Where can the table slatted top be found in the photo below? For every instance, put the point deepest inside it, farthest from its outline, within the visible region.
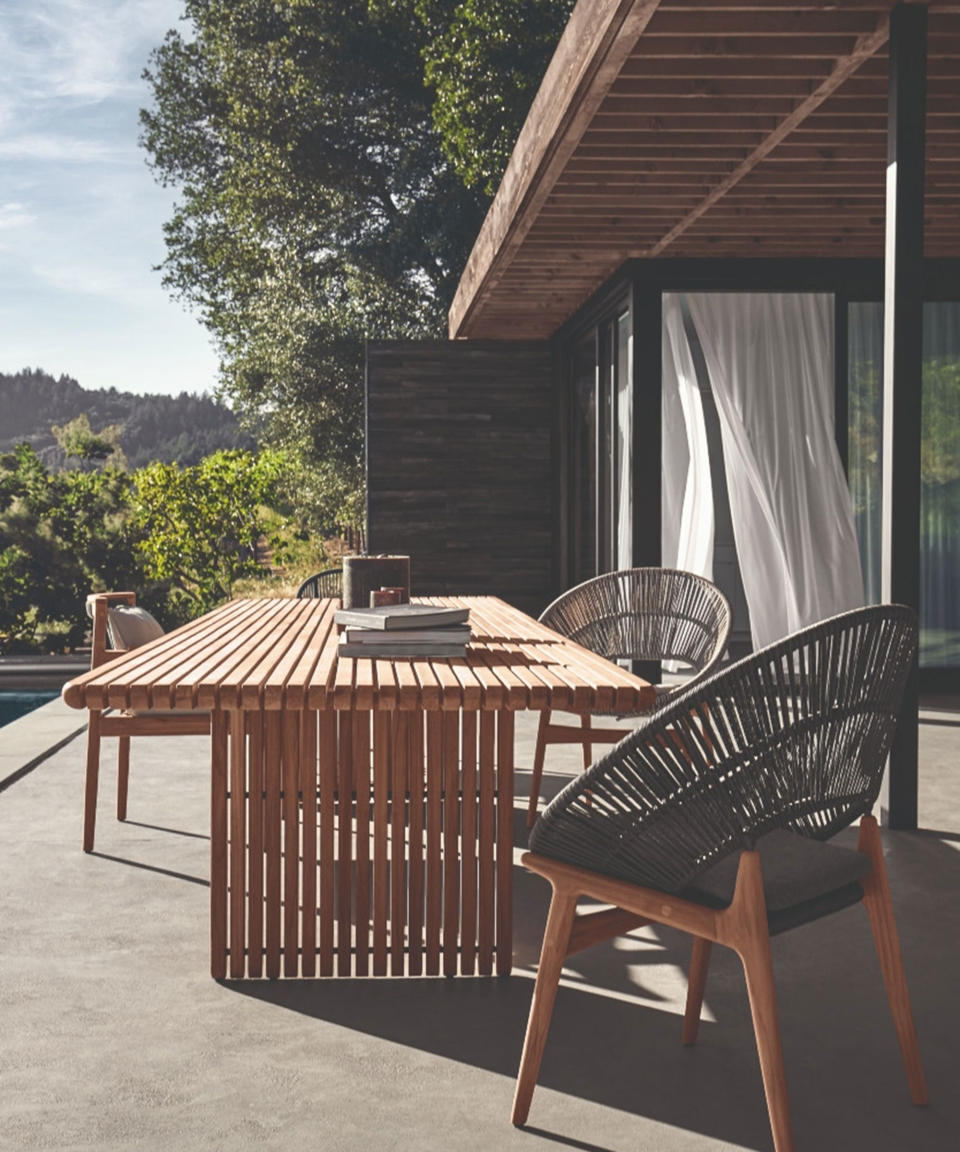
(282, 654)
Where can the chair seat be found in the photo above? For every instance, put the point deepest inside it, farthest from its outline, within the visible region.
(803, 879)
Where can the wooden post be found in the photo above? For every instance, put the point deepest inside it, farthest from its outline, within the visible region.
(903, 370)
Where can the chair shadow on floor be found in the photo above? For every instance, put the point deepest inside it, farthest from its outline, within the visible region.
(615, 1036)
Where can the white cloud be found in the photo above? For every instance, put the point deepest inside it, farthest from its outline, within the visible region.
(79, 51)
(14, 215)
(80, 215)
(50, 146)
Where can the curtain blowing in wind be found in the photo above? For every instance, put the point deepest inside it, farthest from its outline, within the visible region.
(770, 360)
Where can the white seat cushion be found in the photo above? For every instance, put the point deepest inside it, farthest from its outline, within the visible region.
(130, 627)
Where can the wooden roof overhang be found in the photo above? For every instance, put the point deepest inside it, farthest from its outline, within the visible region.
(692, 128)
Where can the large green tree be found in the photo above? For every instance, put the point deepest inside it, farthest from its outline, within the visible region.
(202, 524)
(327, 191)
(485, 60)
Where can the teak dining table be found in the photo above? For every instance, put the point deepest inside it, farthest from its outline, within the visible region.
(362, 815)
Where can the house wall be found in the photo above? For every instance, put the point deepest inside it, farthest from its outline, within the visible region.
(460, 450)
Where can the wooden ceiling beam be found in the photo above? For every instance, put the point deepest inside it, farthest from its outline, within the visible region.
(598, 38)
(703, 88)
(865, 47)
(784, 23)
(771, 47)
(712, 104)
(744, 6)
(699, 68)
(603, 161)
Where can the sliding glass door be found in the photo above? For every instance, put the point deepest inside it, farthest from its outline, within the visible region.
(601, 449)
(939, 466)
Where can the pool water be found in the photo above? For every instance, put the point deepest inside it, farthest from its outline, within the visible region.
(13, 705)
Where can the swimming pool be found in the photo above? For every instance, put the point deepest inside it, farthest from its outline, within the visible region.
(13, 705)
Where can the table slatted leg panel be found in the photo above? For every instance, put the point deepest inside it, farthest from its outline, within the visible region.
(359, 843)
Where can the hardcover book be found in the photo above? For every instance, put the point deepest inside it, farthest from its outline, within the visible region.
(391, 617)
(413, 650)
(458, 634)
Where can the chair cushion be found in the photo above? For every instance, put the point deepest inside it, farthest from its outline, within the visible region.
(796, 870)
(130, 627)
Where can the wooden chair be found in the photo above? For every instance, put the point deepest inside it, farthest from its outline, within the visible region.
(122, 724)
(648, 614)
(722, 830)
(321, 585)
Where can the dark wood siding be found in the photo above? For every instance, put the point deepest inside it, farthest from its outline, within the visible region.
(459, 465)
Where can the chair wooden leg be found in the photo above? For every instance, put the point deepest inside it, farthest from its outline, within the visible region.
(752, 944)
(556, 939)
(587, 745)
(699, 963)
(537, 774)
(123, 776)
(91, 781)
(876, 899)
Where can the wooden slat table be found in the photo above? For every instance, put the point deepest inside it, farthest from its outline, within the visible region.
(361, 810)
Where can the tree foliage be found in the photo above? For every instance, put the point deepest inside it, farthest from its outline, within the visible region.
(79, 442)
(202, 524)
(179, 537)
(486, 61)
(316, 205)
(322, 157)
(61, 534)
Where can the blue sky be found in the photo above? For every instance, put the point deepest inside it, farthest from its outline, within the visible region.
(80, 213)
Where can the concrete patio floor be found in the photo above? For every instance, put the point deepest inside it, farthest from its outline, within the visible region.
(114, 1037)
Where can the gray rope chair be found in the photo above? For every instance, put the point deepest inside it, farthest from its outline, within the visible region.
(714, 816)
(321, 585)
(648, 614)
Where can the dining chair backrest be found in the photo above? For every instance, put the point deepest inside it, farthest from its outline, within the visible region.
(794, 736)
(646, 614)
(321, 585)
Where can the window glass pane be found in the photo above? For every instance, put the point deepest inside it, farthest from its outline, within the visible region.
(940, 490)
(939, 468)
(865, 376)
(584, 461)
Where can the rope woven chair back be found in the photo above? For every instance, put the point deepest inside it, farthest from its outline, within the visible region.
(795, 736)
(646, 614)
(321, 585)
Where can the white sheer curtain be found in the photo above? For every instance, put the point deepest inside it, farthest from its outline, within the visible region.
(770, 362)
(687, 535)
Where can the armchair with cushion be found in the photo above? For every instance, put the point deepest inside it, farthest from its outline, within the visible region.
(118, 626)
(716, 816)
(646, 614)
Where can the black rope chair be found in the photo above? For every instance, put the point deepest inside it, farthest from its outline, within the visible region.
(321, 585)
(714, 816)
(648, 614)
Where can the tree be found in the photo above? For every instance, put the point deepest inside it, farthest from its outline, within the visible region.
(61, 535)
(318, 204)
(486, 62)
(200, 525)
(80, 442)
(179, 537)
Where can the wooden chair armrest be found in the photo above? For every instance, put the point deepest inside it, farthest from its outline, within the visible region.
(101, 601)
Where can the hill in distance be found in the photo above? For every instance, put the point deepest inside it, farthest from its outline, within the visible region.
(182, 428)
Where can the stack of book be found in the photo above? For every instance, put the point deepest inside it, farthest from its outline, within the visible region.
(398, 631)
